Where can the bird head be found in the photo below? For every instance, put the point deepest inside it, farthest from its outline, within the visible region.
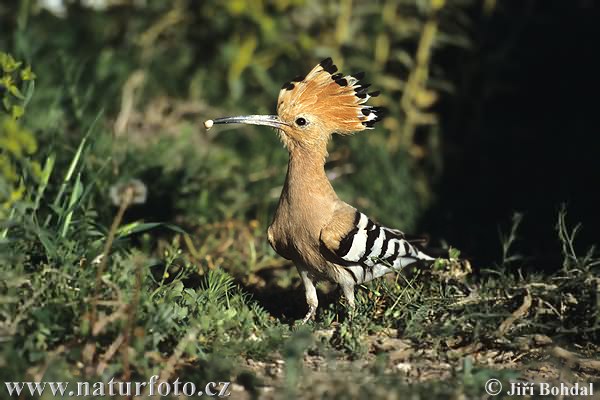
(310, 108)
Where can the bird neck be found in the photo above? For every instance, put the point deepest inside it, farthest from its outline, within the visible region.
(306, 174)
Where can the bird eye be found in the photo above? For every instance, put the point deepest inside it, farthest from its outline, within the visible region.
(301, 121)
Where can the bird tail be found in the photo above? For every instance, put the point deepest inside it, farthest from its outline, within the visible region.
(434, 252)
(423, 256)
(420, 243)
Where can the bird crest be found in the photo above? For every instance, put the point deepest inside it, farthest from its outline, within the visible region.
(332, 97)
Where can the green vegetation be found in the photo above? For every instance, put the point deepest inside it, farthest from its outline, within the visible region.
(133, 243)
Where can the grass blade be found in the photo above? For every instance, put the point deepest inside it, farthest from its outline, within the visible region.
(46, 172)
(75, 195)
(72, 166)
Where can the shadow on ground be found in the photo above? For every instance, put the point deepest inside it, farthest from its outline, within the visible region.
(286, 303)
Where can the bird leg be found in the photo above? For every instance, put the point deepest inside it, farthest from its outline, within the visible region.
(311, 312)
(348, 290)
(311, 294)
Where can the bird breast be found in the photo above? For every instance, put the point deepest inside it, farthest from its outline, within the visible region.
(295, 231)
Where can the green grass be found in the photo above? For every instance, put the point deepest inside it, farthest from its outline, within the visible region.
(100, 282)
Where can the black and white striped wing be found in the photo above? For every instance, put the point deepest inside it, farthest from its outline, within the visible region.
(374, 250)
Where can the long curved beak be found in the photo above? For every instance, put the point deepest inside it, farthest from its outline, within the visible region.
(266, 120)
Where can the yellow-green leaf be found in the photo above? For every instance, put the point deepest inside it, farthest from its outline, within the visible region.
(14, 90)
(8, 63)
(243, 57)
(36, 170)
(17, 111)
(27, 74)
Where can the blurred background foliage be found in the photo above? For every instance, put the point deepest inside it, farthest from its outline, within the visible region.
(16, 142)
(157, 67)
(127, 231)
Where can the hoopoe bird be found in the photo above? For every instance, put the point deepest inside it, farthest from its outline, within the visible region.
(326, 238)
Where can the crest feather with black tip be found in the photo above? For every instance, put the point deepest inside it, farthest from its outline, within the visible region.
(338, 100)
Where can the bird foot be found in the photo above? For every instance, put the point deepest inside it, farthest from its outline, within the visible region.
(351, 313)
(311, 313)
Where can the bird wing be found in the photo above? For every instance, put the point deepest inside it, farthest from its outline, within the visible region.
(352, 239)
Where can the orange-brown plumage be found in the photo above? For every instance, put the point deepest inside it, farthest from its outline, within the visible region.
(334, 101)
(325, 237)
